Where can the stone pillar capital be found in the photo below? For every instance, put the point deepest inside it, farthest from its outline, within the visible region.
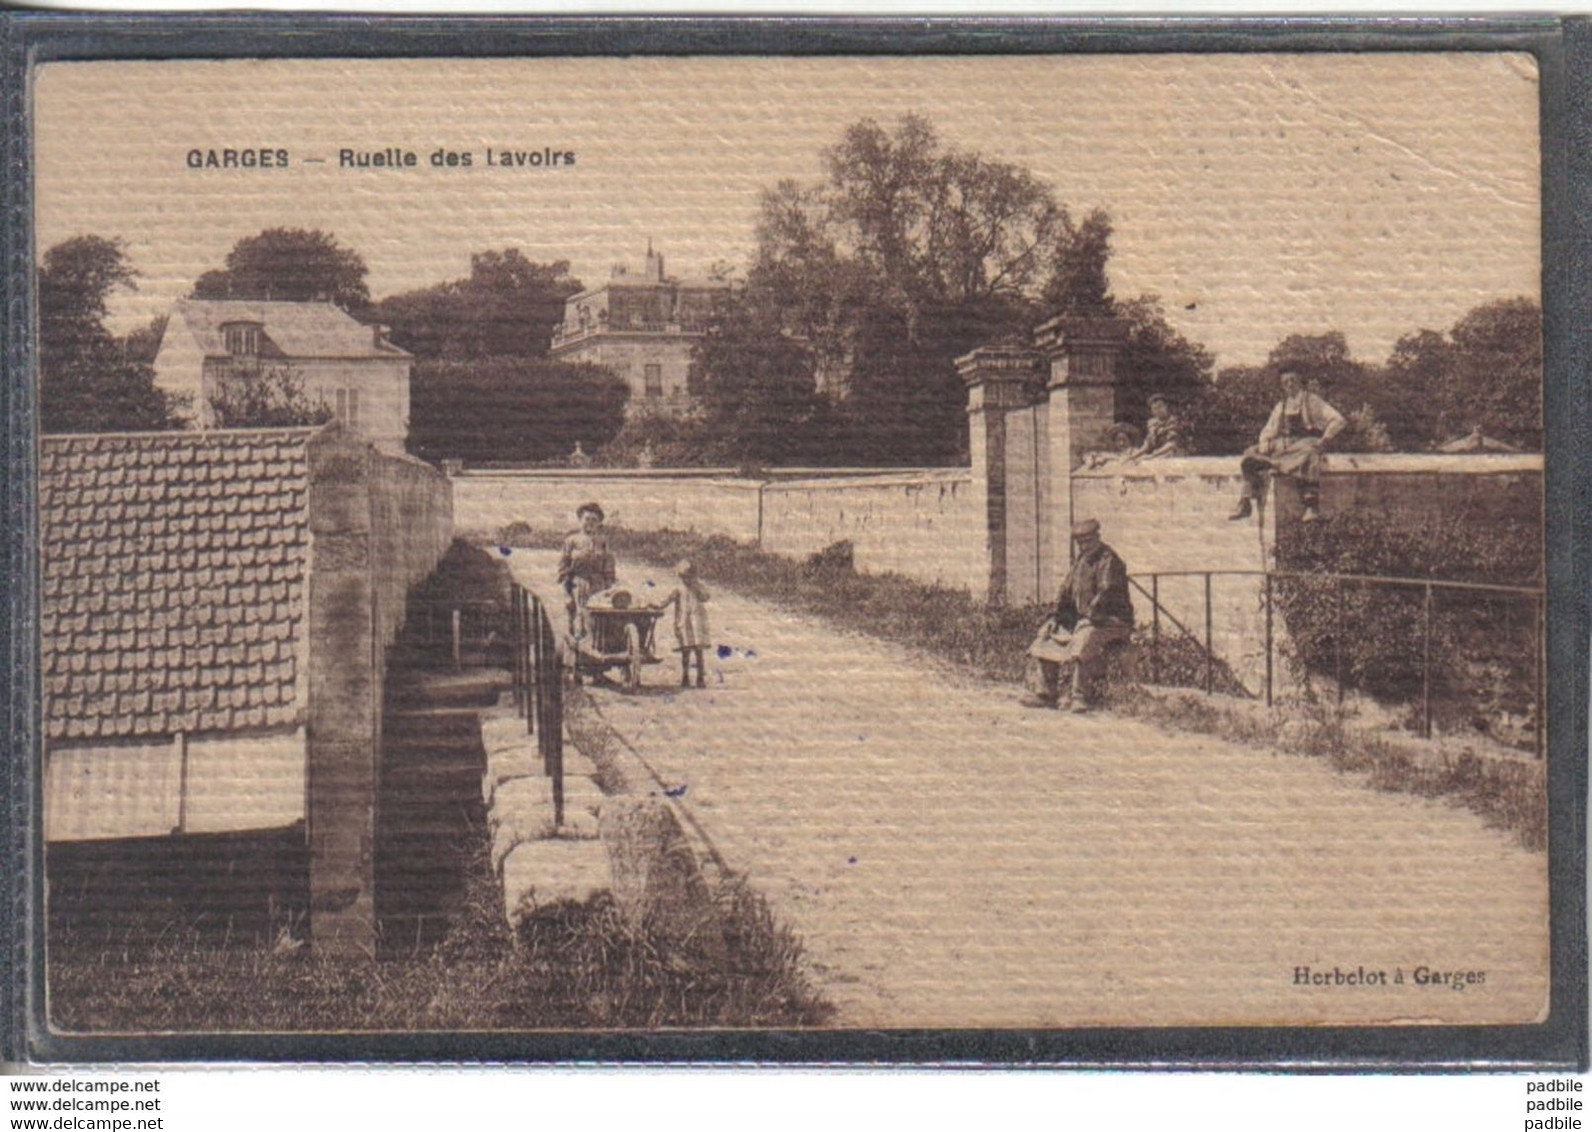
(1082, 350)
(1001, 377)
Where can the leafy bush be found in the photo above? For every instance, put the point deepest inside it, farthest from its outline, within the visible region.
(1176, 660)
(1476, 660)
(662, 435)
(272, 398)
(509, 409)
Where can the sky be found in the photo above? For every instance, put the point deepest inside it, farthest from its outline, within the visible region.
(1257, 195)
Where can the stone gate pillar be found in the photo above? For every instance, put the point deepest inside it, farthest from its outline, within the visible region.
(345, 699)
(1000, 380)
(1082, 384)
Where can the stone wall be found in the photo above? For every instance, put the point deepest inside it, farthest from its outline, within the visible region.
(379, 525)
(411, 527)
(709, 503)
(1482, 488)
(923, 523)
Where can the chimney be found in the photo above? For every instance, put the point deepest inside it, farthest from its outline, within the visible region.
(378, 334)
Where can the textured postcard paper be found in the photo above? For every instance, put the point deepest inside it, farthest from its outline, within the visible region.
(861, 543)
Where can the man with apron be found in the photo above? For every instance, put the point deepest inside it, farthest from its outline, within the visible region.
(1301, 424)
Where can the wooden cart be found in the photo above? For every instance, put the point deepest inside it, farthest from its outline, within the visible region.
(620, 638)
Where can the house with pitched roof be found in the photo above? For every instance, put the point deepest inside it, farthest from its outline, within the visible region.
(214, 613)
(346, 365)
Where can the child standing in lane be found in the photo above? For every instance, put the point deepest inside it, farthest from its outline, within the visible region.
(691, 635)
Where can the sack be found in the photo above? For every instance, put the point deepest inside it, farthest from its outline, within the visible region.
(1052, 644)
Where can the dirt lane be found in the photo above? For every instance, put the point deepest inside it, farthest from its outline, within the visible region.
(951, 859)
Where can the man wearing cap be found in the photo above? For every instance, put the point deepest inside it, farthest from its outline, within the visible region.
(1093, 611)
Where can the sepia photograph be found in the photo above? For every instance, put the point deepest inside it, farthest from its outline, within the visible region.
(799, 544)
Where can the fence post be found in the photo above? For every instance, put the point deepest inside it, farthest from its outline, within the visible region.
(538, 664)
(1268, 639)
(1210, 653)
(1155, 628)
(518, 622)
(1337, 640)
(533, 663)
(553, 736)
(1426, 664)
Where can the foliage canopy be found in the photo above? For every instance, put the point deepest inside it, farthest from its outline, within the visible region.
(89, 381)
(507, 307)
(510, 409)
(290, 265)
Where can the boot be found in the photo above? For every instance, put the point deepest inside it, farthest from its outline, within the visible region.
(1242, 511)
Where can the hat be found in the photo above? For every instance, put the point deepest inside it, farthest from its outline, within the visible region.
(1154, 397)
(589, 508)
(1086, 527)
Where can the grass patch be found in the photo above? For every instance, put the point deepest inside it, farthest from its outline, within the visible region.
(1507, 792)
(574, 967)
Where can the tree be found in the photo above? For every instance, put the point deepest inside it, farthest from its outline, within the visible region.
(1495, 383)
(1230, 413)
(142, 343)
(754, 383)
(1412, 379)
(511, 409)
(88, 382)
(1484, 373)
(1077, 283)
(908, 254)
(272, 398)
(1156, 358)
(1323, 361)
(290, 264)
(508, 306)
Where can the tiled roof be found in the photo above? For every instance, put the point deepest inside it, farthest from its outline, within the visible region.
(174, 580)
(292, 330)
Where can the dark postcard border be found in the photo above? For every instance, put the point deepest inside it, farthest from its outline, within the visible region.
(1563, 48)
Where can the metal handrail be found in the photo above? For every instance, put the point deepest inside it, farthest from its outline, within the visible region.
(1340, 583)
(539, 686)
(1441, 583)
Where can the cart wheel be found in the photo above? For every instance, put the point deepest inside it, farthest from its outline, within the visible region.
(633, 655)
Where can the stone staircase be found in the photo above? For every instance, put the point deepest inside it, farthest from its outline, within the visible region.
(430, 818)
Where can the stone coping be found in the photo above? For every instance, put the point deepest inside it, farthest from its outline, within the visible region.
(1356, 463)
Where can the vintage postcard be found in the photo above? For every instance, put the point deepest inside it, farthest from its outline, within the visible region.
(819, 545)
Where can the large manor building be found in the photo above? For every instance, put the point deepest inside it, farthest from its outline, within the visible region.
(643, 328)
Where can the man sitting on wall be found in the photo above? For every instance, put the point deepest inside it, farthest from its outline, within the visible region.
(1093, 612)
(1299, 427)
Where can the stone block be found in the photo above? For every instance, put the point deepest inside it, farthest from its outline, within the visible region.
(522, 811)
(538, 875)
